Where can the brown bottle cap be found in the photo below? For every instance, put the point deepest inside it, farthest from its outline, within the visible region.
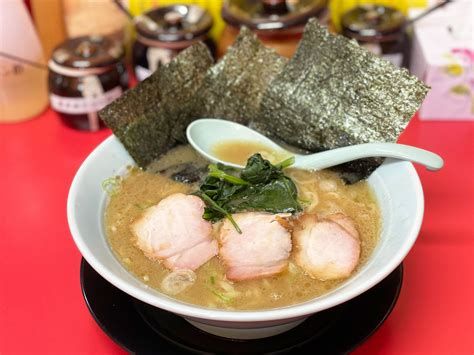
(367, 21)
(271, 14)
(88, 52)
(174, 23)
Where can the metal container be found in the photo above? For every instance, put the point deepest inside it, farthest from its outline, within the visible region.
(380, 29)
(279, 24)
(165, 31)
(85, 74)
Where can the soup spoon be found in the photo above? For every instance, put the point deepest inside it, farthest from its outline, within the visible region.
(204, 134)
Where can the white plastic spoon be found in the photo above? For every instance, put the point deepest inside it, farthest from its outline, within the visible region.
(204, 134)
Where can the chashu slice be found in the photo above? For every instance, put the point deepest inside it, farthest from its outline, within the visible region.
(175, 232)
(327, 249)
(262, 249)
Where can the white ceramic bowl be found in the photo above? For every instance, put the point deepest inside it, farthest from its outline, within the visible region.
(396, 186)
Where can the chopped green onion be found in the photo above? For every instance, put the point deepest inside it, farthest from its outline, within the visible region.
(213, 280)
(305, 202)
(111, 185)
(222, 296)
(144, 206)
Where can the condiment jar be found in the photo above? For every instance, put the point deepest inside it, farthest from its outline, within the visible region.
(86, 74)
(23, 89)
(279, 24)
(165, 31)
(380, 29)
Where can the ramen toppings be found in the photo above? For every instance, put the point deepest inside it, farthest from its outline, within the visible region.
(262, 249)
(158, 229)
(174, 231)
(327, 249)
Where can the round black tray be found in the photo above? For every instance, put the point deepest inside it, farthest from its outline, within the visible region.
(140, 328)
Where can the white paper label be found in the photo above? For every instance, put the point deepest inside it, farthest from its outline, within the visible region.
(83, 105)
(373, 47)
(395, 58)
(158, 56)
(142, 73)
(155, 57)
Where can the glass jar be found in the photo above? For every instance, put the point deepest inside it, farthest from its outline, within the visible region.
(86, 74)
(279, 24)
(381, 30)
(165, 31)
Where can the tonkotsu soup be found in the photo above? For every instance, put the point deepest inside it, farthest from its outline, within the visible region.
(321, 193)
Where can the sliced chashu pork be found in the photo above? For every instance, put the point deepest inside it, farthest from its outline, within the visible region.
(175, 232)
(262, 249)
(327, 249)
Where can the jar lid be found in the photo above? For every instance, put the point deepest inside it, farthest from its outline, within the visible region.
(174, 23)
(372, 21)
(87, 52)
(271, 14)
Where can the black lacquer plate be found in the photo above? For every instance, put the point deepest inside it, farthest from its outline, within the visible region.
(143, 329)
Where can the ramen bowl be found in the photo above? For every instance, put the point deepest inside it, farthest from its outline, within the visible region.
(395, 184)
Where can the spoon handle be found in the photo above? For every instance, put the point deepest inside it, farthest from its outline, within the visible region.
(338, 156)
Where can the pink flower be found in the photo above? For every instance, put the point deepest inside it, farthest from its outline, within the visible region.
(469, 53)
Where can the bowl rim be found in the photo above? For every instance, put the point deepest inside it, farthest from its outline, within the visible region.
(189, 310)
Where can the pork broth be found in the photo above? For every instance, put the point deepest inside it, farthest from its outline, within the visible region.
(321, 192)
(238, 152)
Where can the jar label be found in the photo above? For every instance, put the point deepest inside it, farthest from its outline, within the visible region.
(158, 56)
(83, 105)
(395, 58)
(375, 48)
(142, 73)
(155, 57)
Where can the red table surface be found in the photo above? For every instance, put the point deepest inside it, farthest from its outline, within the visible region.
(41, 305)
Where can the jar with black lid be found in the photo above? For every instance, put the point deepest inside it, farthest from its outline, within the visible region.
(279, 24)
(86, 74)
(380, 29)
(165, 31)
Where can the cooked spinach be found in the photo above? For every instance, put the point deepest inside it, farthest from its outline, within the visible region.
(259, 170)
(260, 186)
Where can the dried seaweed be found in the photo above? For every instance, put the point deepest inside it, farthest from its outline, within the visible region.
(143, 118)
(333, 93)
(233, 88)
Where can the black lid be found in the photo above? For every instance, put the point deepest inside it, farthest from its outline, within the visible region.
(271, 14)
(174, 23)
(88, 52)
(372, 21)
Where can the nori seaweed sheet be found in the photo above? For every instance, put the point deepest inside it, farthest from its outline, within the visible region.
(143, 117)
(233, 88)
(334, 93)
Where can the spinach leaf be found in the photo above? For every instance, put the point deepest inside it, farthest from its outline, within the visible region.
(259, 170)
(214, 207)
(276, 196)
(260, 187)
(214, 171)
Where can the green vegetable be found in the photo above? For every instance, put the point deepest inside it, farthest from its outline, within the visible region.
(259, 170)
(279, 195)
(305, 202)
(223, 297)
(145, 205)
(214, 171)
(111, 185)
(286, 163)
(260, 187)
(219, 209)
